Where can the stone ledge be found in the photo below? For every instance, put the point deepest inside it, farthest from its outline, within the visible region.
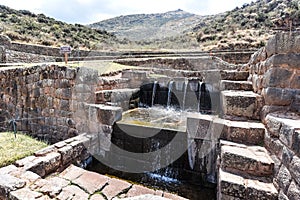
(236, 85)
(241, 103)
(252, 160)
(212, 127)
(238, 187)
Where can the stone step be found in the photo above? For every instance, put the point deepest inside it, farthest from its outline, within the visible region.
(117, 97)
(245, 104)
(234, 75)
(236, 85)
(232, 186)
(213, 128)
(246, 160)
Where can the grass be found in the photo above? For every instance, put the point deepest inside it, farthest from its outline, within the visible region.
(13, 149)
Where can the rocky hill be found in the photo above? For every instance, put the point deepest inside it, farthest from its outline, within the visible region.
(149, 26)
(249, 26)
(27, 27)
(246, 27)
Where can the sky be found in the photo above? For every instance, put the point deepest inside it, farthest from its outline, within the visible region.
(90, 11)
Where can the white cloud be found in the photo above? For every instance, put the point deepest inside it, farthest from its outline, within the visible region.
(88, 11)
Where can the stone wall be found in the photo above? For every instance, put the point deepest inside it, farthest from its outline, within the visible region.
(53, 102)
(275, 73)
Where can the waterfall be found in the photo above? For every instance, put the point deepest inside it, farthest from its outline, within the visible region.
(154, 92)
(169, 93)
(192, 149)
(199, 97)
(184, 94)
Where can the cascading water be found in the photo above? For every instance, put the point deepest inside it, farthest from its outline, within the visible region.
(155, 84)
(170, 88)
(184, 94)
(199, 96)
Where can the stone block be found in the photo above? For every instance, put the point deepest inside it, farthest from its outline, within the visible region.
(115, 187)
(295, 82)
(291, 60)
(9, 183)
(252, 160)
(66, 154)
(24, 193)
(107, 115)
(86, 76)
(52, 162)
(72, 191)
(232, 185)
(274, 145)
(277, 77)
(261, 190)
(241, 103)
(282, 196)
(293, 191)
(283, 178)
(283, 43)
(91, 181)
(296, 142)
(278, 96)
(236, 85)
(295, 169)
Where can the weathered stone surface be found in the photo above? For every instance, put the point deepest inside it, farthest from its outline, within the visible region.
(278, 96)
(52, 162)
(231, 184)
(66, 154)
(291, 60)
(252, 160)
(71, 173)
(278, 77)
(23, 194)
(241, 103)
(45, 151)
(8, 169)
(236, 85)
(138, 190)
(72, 191)
(293, 192)
(295, 169)
(283, 178)
(54, 186)
(108, 114)
(91, 181)
(9, 183)
(261, 190)
(115, 187)
(234, 75)
(283, 43)
(97, 197)
(282, 196)
(152, 197)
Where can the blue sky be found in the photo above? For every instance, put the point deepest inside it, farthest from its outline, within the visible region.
(89, 11)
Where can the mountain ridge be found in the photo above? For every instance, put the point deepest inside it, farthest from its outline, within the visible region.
(139, 27)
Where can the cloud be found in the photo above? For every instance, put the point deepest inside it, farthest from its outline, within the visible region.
(89, 11)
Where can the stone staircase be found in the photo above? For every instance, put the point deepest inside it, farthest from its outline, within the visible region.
(245, 167)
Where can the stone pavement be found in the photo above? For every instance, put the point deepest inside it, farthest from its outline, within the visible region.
(73, 183)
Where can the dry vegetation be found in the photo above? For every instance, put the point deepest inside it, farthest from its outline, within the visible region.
(12, 149)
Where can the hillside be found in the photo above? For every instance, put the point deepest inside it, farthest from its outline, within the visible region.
(249, 26)
(27, 27)
(149, 26)
(246, 27)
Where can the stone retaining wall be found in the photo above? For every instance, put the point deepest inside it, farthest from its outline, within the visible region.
(275, 73)
(53, 102)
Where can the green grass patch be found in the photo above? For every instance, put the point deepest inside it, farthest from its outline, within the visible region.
(13, 149)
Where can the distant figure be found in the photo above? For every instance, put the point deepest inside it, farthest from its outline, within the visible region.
(205, 100)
